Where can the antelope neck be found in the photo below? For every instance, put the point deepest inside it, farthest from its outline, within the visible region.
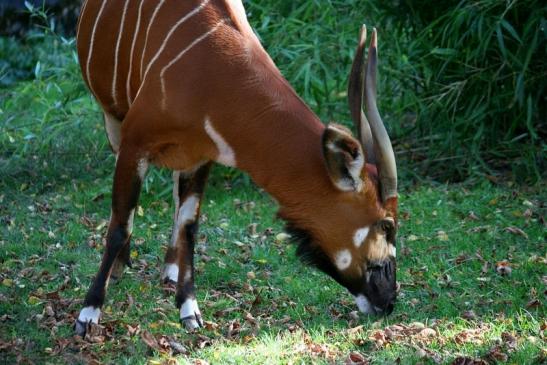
(279, 146)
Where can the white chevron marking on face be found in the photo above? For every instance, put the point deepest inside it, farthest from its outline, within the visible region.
(360, 236)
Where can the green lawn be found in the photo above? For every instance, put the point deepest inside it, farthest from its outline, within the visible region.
(259, 303)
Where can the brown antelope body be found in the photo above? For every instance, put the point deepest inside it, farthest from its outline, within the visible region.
(186, 83)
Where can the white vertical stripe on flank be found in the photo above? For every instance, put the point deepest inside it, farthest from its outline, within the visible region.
(170, 33)
(82, 11)
(128, 81)
(179, 56)
(92, 41)
(116, 53)
(156, 10)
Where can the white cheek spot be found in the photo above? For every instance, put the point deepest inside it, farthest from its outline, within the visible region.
(171, 272)
(360, 236)
(392, 250)
(89, 314)
(226, 155)
(343, 259)
(363, 304)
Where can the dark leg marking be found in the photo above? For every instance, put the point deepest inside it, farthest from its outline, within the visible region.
(125, 195)
(181, 253)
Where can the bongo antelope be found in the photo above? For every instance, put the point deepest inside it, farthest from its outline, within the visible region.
(187, 83)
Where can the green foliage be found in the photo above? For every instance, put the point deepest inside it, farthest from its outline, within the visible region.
(313, 43)
(56, 172)
(475, 74)
(461, 89)
(42, 121)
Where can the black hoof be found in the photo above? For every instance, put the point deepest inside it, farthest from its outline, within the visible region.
(80, 328)
(192, 323)
(168, 281)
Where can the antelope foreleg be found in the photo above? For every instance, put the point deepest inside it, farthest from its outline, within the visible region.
(130, 170)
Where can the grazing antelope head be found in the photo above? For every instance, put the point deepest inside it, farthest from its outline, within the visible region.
(186, 83)
(353, 238)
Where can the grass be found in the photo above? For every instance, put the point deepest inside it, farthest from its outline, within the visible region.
(261, 305)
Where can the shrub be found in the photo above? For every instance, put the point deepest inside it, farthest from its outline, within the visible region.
(474, 72)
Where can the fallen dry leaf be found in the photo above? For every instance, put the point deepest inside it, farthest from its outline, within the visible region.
(176, 347)
(516, 231)
(356, 358)
(442, 236)
(468, 361)
(496, 354)
(469, 315)
(534, 303)
(510, 341)
(474, 335)
(472, 216)
(150, 340)
(427, 332)
(233, 329)
(355, 329)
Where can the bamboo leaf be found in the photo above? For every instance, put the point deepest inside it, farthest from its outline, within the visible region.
(511, 30)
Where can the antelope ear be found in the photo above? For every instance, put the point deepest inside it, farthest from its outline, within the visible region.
(344, 158)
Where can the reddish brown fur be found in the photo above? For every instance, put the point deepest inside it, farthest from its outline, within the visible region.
(176, 139)
(229, 79)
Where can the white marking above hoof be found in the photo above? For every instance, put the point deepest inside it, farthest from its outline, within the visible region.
(170, 272)
(89, 314)
(190, 315)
